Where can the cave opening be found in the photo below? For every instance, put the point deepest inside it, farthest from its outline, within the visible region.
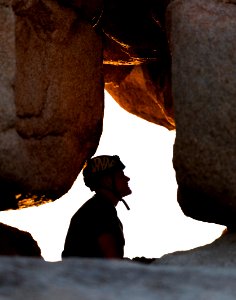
(155, 224)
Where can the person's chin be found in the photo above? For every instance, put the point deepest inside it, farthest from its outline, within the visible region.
(127, 192)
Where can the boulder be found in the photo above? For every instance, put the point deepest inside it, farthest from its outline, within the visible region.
(145, 91)
(15, 242)
(30, 278)
(57, 58)
(174, 67)
(202, 41)
(136, 59)
(52, 94)
(220, 253)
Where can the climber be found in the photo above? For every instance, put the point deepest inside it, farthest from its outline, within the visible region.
(95, 229)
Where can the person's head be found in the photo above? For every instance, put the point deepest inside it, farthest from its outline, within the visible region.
(106, 172)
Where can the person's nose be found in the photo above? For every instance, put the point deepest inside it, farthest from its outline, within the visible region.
(127, 178)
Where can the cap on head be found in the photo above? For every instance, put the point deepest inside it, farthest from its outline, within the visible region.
(100, 165)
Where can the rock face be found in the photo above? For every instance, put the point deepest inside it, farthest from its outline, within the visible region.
(52, 97)
(114, 280)
(203, 41)
(58, 56)
(17, 243)
(136, 59)
(52, 85)
(145, 96)
(220, 253)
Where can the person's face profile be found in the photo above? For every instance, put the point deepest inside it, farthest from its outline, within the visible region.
(121, 181)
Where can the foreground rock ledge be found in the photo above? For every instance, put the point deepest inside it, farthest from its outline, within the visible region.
(28, 278)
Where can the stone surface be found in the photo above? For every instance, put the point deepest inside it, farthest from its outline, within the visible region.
(203, 40)
(52, 85)
(206, 272)
(23, 278)
(90, 9)
(144, 92)
(7, 67)
(136, 59)
(17, 242)
(220, 253)
(52, 89)
(133, 34)
(51, 96)
(41, 134)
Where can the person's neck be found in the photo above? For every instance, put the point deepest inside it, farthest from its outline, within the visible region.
(109, 195)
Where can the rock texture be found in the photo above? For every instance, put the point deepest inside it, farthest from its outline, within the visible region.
(17, 243)
(136, 59)
(204, 272)
(145, 92)
(52, 85)
(133, 34)
(51, 110)
(51, 97)
(220, 253)
(202, 41)
(56, 58)
(97, 279)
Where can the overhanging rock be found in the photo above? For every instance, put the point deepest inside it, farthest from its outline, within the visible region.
(52, 94)
(203, 41)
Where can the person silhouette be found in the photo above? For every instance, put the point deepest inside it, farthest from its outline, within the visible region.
(95, 229)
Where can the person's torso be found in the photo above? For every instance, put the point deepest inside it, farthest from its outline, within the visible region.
(96, 217)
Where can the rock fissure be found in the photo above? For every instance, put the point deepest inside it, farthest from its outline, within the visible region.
(168, 62)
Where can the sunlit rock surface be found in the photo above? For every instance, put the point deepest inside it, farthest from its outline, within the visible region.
(52, 94)
(114, 280)
(145, 92)
(136, 59)
(203, 41)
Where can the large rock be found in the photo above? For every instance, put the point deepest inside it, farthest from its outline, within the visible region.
(16, 242)
(51, 96)
(52, 85)
(137, 60)
(203, 41)
(114, 280)
(144, 91)
(52, 88)
(220, 253)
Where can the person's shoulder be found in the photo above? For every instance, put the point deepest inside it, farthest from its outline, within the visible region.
(90, 205)
(95, 206)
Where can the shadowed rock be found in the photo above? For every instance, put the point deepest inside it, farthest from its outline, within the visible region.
(203, 41)
(137, 60)
(114, 280)
(220, 253)
(175, 70)
(17, 242)
(52, 84)
(52, 94)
